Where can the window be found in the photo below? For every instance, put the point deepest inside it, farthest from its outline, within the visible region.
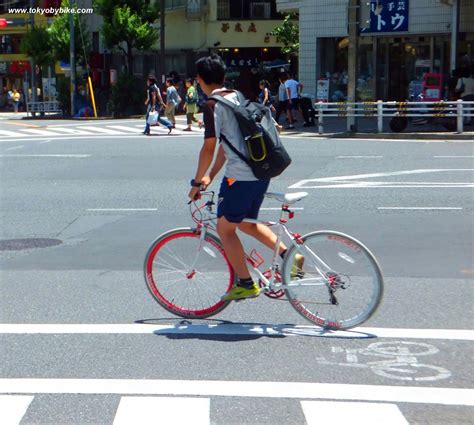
(223, 9)
(260, 10)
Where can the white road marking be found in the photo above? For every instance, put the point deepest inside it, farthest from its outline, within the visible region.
(13, 408)
(358, 181)
(299, 390)
(97, 129)
(124, 128)
(122, 209)
(46, 156)
(279, 209)
(164, 410)
(46, 141)
(454, 156)
(14, 148)
(38, 132)
(72, 131)
(8, 133)
(360, 157)
(233, 329)
(98, 136)
(343, 413)
(421, 208)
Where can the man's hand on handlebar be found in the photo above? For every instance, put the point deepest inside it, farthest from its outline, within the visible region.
(195, 192)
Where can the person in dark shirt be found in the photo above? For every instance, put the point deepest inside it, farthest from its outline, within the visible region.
(154, 102)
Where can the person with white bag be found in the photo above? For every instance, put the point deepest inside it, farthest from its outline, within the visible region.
(153, 99)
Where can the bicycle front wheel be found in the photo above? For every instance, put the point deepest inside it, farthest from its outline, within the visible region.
(186, 275)
(338, 284)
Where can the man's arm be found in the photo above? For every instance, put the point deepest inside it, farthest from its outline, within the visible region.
(205, 160)
(218, 163)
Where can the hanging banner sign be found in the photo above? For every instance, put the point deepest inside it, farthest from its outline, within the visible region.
(322, 90)
(388, 16)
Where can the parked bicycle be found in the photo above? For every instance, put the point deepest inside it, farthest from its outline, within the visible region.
(339, 286)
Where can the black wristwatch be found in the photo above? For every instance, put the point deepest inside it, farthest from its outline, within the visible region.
(194, 183)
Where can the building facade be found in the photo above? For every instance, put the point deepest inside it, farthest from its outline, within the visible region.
(399, 41)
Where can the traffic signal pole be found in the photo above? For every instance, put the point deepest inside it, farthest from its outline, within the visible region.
(162, 41)
(72, 51)
(353, 31)
(32, 60)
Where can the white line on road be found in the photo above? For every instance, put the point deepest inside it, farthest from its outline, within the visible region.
(164, 410)
(124, 128)
(46, 141)
(14, 148)
(122, 209)
(299, 390)
(100, 130)
(13, 408)
(279, 209)
(420, 208)
(343, 413)
(8, 133)
(46, 156)
(360, 157)
(233, 329)
(454, 156)
(39, 132)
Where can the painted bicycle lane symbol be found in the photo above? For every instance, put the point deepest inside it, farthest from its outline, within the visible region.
(399, 360)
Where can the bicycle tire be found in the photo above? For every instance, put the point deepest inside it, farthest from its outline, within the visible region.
(334, 282)
(196, 304)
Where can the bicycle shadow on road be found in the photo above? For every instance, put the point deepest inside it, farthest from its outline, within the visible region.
(228, 331)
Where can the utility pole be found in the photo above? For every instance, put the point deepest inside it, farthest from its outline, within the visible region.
(33, 62)
(454, 34)
(353, 31)
(162, 40)
(72, 52)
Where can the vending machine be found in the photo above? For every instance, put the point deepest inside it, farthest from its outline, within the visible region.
(432, 87)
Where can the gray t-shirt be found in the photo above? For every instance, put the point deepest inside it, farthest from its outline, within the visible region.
(223, 121)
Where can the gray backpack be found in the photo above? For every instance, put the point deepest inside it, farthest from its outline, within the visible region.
(267, 156)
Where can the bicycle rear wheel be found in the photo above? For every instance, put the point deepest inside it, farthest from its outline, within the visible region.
(341, 284)
(187, 278)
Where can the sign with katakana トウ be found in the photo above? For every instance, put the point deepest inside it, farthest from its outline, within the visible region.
(388, 16)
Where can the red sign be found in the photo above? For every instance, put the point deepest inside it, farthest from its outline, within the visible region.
(3, 23)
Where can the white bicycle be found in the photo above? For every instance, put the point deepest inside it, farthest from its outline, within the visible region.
(339, 286)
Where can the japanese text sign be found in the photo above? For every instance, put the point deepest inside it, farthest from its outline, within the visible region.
(388, 16)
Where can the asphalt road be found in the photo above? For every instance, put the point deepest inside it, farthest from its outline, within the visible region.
(104, 193)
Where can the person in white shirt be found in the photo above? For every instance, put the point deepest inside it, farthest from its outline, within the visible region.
(465, 88)
(294, 89)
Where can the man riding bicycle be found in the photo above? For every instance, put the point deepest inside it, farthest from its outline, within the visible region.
(241, 193)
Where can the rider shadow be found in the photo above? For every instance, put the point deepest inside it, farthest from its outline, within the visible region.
(228, 331)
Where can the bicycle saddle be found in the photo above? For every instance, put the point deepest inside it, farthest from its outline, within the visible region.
(287, 198)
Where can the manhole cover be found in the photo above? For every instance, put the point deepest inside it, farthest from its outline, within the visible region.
(19, 244)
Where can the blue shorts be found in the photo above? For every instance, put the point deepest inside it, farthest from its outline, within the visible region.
(240, 199)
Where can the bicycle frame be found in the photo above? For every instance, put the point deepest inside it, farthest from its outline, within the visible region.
(205, 224)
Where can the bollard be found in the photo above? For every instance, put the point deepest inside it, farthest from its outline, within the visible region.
(379, 116)
(459, 113)
(320, 118)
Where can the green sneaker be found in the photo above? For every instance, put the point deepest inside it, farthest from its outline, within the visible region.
(297, 267)
(241, 293)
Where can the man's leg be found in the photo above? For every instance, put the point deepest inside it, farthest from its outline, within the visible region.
(263, 234)
(233, 247)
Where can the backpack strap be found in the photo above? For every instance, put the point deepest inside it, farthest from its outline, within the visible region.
(234, 149)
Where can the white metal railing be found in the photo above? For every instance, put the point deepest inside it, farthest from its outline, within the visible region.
(48, 106)
(451, 114)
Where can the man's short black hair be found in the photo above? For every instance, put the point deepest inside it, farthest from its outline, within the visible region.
(211, 69)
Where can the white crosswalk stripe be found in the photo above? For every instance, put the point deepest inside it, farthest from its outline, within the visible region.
(92, 130)
(343, 413)
(13, 408)
(146, 410)
(166, 410)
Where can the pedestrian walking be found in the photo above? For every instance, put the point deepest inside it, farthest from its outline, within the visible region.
(172, 101)
(154, 103)
(265, 97)
(283, 98)
(191, 103)
(15, 100)
(294, 89)
(465, 88)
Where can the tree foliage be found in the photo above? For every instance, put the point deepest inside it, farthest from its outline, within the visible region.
(61, 37)
(288, 33)
(128, 22)
(37, 45)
